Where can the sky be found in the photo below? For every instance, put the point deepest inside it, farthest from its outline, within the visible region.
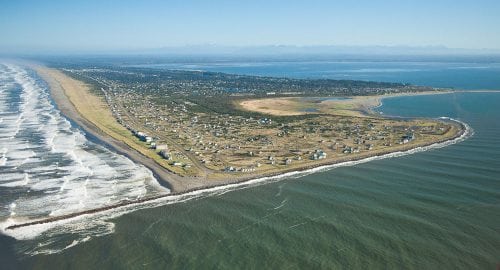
(94, 25)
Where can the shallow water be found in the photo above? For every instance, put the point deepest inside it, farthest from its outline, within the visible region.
(430, 210)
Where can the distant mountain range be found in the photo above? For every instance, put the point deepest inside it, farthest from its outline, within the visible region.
(318, 50)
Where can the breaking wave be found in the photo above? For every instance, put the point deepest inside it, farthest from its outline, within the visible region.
(49, 168)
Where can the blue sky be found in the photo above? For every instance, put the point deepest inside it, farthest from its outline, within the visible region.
(126, 24)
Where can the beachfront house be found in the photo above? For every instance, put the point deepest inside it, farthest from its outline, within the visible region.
(143, 136)
(165, 154)
(318, 154)
(407, 138)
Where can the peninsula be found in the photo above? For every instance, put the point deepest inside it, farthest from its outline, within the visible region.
(200, 129)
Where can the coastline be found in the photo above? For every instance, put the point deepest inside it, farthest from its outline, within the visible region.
(466, 132)
(187, 185)
(68, 109)
(63, 89)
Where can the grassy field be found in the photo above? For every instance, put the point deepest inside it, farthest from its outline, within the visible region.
(293, 106)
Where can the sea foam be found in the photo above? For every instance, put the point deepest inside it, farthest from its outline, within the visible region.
(48, 167)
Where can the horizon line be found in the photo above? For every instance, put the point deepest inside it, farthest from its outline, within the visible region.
(274, 49)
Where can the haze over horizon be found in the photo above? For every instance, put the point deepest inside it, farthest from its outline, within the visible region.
(92, 26)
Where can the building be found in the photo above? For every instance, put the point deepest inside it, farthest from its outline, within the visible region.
(318, 154)
(410, 136)
(164, 154)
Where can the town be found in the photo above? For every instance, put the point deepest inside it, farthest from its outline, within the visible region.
(192, 124)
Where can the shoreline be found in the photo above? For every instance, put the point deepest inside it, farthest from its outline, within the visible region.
(177, 184)
(174, 182)
(464, 133)
(67, 108)
(63, 89)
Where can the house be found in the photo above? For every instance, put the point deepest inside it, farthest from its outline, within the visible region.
(265, 121)
(407, 138)
(164, 154)
(318, 154)
(347, 150)
(141, 135)
(250, 169)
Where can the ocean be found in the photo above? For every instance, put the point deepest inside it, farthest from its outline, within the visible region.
(437, 209)
(49, 168)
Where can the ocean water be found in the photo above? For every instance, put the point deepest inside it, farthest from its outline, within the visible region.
(437, 209)
(49, 168)
(473, 74)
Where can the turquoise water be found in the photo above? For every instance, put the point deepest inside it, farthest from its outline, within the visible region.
(432, 210)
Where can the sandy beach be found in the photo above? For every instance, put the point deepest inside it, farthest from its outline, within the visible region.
(64, 90)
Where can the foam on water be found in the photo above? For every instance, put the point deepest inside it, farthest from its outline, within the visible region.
(49, 168)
